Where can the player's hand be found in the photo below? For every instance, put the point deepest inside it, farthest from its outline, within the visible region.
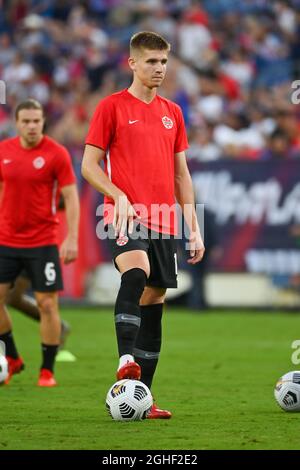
(69, 250)
(196, 248)
(124, 215)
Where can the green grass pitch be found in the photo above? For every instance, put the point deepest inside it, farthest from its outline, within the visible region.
(216, 374)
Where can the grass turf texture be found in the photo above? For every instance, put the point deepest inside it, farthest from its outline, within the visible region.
(216, 374)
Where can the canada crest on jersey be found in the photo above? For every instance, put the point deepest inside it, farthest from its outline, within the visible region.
(121, 241)
(167, 122)
(38, 162)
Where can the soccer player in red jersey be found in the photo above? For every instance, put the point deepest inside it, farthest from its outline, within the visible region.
(141, 138)
(33, 167)
(18, 298)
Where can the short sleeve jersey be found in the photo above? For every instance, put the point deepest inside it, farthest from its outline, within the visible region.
(31, 179)
(140, 141)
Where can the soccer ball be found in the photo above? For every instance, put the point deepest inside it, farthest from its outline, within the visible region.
(287, 391)
(3, 368)
(128, 400)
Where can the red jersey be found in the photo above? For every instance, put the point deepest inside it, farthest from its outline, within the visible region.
(140, 141)
(31, 179)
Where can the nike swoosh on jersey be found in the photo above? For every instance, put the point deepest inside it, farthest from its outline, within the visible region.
(132, 122)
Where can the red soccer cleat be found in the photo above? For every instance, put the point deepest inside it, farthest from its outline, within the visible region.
(15, 366)
(156, 413)
(46, 379)
(131, 370)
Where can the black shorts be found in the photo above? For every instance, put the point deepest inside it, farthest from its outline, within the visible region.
(41, 264)
(161, 252)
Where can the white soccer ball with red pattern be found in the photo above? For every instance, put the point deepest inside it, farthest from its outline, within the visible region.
(128, 400)
(3, 369)
(287, 391)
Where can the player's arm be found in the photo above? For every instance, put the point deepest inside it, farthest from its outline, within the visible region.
(184, 193)
(124, 213)
(69, 247)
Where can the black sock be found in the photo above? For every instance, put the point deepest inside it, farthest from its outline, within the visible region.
(10, 347)
(48, 353)
(148, 342)
(127, 309)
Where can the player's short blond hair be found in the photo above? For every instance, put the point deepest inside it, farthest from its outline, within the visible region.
(148, 40)
(28, 104)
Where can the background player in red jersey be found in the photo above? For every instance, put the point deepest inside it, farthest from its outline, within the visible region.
(18, 299)
(141, 137)
(32, 168)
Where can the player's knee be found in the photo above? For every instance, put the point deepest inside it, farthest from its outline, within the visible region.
(133, 283)
(47, 305)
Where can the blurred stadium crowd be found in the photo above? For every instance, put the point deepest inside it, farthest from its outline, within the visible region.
(231, 68)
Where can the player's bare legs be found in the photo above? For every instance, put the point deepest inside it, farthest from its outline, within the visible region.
(50, 321)
(134, 268)
(15, 362)
(50, 327)
(18, 300)
(25, 304)
(133, 259)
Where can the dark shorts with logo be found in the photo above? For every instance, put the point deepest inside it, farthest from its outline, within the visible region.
(41, 264)
(161, 252)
